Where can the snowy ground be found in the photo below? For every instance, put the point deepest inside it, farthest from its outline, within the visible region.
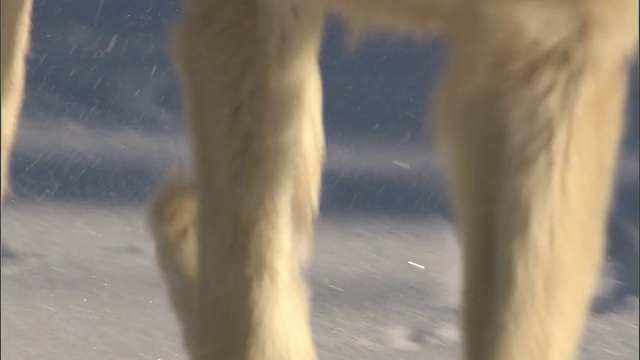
(102, 125)
(79, 279)
(81, 283)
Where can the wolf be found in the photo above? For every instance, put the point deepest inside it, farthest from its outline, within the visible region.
(528, 121)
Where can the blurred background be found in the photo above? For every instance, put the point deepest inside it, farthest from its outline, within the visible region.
(102, 124)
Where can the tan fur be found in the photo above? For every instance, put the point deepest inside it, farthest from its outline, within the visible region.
(172, 220)
(528, 120)
(16, 18)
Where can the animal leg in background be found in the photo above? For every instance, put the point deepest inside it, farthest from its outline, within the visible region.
(15, 33)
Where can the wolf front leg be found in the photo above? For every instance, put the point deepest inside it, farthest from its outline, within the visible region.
(252, 91)
(530, 118)
(16, 28)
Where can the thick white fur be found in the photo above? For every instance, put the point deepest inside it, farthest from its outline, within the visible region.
(16, 18)
(528, 120)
